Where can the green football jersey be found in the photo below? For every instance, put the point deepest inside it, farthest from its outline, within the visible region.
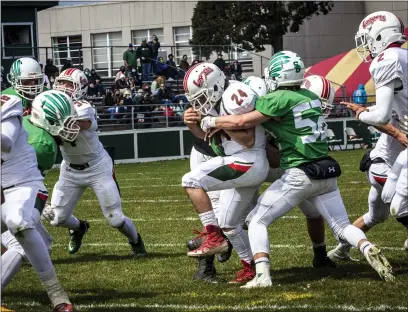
(44, 145)
(11, 91)
(299, 126)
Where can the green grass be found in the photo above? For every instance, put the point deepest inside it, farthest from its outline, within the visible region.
(103, 276)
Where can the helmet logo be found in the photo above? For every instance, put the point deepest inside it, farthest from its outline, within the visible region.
(306, 84)
(204, 74)
(373, 19)
(83, 81)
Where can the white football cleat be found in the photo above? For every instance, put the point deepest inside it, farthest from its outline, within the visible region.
(379, 263)
(406, 245)
(259, 281)
(341, 253)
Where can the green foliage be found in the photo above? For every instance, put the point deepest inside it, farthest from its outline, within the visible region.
(250, 24)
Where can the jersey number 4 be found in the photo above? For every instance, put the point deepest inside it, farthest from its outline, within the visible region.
(316, 128)
(239, 101)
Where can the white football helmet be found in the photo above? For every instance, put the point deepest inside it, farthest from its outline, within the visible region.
(323, 89)
(285, 69)
(238, 98)
(54, 112)
(26, 78)
(204, 85)
(257, 84)
(376, 32)
(73, 82)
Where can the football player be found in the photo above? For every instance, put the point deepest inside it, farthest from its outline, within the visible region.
(73, 82)
(85, 164)
(27, 81)
(238, 170)
(295, 117)
(24, 198)
(379, 39)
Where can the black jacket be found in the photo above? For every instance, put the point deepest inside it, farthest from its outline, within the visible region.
(220, 63)
(146, 52)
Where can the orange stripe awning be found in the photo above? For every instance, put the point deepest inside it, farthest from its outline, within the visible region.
(348, 71)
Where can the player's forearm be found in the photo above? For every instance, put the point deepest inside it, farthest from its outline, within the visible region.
(394, 132)
(232, 122)
(196, 130)
(383, 112)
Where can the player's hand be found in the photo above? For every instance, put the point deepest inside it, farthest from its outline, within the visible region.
(48, 213)
(403, 125)
(402, 138)
(209, 135)
(354, 107)
(207, 123)
(190, 116)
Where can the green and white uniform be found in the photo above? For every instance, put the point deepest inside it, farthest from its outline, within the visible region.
(299, 129)
(300, 132)
(26, 103)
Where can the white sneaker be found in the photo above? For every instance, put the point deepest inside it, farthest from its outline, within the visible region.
(341, 253)
(379, 263)
(259, 281)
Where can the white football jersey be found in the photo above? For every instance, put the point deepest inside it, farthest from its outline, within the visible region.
(387, 66)
(20, 163)
(86, 147)
(239, 99)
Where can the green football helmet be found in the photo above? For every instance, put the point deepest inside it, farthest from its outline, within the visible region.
(26, 78)
(54, 112)
(285, 69)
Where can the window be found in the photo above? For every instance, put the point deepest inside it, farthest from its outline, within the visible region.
(64, 48)
(107, 53)
(17, 40)
(182, 35)
(138, 35)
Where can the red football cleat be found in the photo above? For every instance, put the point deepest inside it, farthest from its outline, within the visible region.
(64, 307)
(213, 244)
(244, 275)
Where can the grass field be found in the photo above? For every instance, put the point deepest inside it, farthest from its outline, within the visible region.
(103, 276)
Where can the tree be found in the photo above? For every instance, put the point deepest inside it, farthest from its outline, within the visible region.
(251, 25)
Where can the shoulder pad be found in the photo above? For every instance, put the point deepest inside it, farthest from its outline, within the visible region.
(84, 109)
(11, 106)
(386, 67)
(238, 98)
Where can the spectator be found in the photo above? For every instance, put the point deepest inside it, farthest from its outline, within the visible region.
(122, 85)
(236, 70)
(360, 95)
(196, 60)
(87, 74)
(116, 96)
(220, 62)
(164, 93)
(109, 99)
(95, 87)
(144, 52)
(130, 58)
(51, 71)
(138, 97)
(135, 76)
(47, 83)
(121, 72)
(68, 64)
(184, 65)
(154, 45)
(128, 98)
(162, 69)
(159, 81)
(172, 67)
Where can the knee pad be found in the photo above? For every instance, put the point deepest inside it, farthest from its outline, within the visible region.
(188, 180)
(9, 241)
(115, 218)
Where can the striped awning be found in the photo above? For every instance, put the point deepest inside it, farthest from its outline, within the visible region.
(346, 69)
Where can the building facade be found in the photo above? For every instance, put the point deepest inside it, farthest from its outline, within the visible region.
(96, 35)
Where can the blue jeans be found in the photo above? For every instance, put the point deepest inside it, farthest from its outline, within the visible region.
(146, 70)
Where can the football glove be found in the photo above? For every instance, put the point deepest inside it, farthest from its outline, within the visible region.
(207, 123)
(48, 213)
(403, 125)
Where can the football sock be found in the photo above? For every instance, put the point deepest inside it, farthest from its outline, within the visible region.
(11, 262)
(240, 241)
(129, 230)
(365, 245)
(353, 235)
(54, 289)
(208, 218)
(262, 266)
(72, 223)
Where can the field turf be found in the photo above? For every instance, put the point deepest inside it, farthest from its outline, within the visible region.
(103, 276)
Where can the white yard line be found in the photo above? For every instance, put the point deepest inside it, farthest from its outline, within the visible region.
(279, 246)
(208, 307)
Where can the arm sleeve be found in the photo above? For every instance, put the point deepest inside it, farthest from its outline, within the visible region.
(383, 113)
(10, 128)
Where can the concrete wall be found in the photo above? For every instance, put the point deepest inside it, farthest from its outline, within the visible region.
(319, 38)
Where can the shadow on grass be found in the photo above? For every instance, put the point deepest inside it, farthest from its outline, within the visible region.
(93, 257)
(344, 270)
